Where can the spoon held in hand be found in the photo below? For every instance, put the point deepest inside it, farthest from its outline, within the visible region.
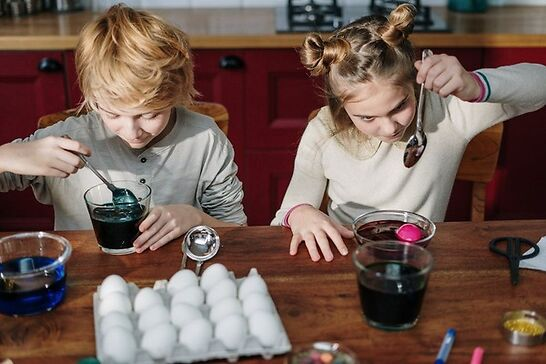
(418, 141)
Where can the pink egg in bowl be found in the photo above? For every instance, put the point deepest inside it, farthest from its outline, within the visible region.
(398, 225)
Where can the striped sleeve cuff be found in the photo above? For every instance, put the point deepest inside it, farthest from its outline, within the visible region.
(287, 215)
(485, 87)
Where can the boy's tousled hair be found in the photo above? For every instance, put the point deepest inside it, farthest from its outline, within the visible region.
(373, 47)
(133, 59)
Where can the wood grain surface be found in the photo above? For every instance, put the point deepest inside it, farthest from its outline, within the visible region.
(469, 290)
(508, 26)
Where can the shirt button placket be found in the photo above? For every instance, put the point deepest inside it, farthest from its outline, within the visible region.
(143, 160)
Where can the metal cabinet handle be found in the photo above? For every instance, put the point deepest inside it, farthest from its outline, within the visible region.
(231, 63)
(50, 65)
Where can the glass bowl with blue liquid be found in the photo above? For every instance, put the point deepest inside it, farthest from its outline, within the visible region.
(32, 272)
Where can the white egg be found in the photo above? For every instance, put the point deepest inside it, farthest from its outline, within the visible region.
(180, 280)
(192, 295)
(159, 341)
(252, 284)
(265, 327)
(231, 331)
(212, 275)
(183, 313)
(196, 335)
(153, 316)
(114, 301)
(115, 319)
(223, 289)
(224, 308)
(120, 345)
(113, 283)
(147, 297)
(257, 302)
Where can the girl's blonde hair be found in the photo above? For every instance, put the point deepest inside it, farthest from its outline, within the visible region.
(372, 47)
(132, 59)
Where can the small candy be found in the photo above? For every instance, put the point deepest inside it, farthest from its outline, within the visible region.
(326, 358)
(409, 233)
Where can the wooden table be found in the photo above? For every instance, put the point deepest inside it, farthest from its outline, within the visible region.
(469, 289)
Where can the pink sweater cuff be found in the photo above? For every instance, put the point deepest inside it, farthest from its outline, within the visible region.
(287, 215)
(482, 87)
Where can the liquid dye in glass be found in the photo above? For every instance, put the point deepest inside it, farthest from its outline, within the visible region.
(393, 302)
(35, 294)
(116, 227)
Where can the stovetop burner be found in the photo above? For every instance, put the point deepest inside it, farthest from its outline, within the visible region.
(313, 15)
(326, 16)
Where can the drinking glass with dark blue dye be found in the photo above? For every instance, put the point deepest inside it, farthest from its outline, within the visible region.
(116, 224)
(392, 279)
(32, 272)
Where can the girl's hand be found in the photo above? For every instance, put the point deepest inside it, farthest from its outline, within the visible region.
(166, 223)
(446, 76)
(50, 156)
(314, 228)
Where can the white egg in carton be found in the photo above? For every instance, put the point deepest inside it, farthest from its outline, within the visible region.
(187, 319)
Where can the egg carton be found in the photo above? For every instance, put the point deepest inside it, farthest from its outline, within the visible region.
(180, 354)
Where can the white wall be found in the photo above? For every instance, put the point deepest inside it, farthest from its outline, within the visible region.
(102, 4)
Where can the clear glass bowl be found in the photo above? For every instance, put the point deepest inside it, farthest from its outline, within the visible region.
(323, 352)
(382, 225)
(32, 272)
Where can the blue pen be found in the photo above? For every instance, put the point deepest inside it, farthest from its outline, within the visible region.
(441, 358)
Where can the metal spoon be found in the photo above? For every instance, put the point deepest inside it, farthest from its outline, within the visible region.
(120, 196)
(201, 243)
(418, 141)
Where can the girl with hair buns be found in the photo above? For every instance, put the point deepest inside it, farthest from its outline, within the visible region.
(354, 147)
(135, 72)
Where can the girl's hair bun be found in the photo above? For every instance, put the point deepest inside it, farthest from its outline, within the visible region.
(318, 55)
(400, 24)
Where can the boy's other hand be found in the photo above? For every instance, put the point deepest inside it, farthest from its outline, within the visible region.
(446, 76)
(165, 223)
(315, 228)
(50, 156)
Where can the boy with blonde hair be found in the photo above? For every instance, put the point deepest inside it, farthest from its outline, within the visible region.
(136, 76)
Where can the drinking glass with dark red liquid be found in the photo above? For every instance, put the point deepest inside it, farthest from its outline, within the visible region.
(403, 226)
(392, 280)
(116, 224)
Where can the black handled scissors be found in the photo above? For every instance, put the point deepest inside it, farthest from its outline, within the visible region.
(513, 253)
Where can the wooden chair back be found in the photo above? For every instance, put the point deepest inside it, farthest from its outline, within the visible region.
(477, 166)
(215, 110)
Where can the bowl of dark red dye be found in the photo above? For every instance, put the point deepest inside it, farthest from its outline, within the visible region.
(32, 272)
(404, 226)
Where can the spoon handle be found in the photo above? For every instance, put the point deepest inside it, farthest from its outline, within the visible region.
(110, 186)
(426, 53)
(198, 268)
(184, 260)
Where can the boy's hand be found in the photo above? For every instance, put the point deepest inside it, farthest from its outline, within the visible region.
(446, 76)
(165, 223)
(50, 156)
(315, 228)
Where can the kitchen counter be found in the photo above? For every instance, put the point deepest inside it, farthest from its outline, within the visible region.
(510, 26)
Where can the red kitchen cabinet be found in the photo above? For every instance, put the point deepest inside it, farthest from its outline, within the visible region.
(74, 95)
(219, 77)
(517, 191)
(31, 84)
(271, 173)
(280, 96)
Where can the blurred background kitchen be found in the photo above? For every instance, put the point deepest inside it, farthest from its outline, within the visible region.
(246, 59)
(25, 7)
